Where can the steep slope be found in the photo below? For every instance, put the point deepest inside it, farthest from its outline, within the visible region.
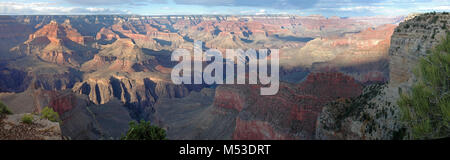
(239, 112)
(56, 43)
(122, 70)
(410, 41)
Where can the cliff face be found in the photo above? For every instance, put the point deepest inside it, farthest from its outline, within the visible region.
(410, 41)
(128, 90)
(293, 112)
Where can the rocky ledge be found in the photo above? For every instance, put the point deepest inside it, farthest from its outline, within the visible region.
(11, 128)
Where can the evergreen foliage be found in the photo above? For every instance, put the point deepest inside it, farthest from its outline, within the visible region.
(426, 110)
(144, 131)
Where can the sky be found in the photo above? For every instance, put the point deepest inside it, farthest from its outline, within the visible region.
(342, 8)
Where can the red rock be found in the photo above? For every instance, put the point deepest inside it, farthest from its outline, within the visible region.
(106, 34)
(122, 65)
(363, 55)
(229, 99)
(57, 57)
(293, 111)
(56, 32)
(256, 130)
(63, 103)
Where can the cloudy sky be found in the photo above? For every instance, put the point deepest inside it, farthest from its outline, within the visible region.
(242, 7)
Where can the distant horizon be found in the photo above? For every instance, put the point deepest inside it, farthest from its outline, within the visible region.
(327, 8)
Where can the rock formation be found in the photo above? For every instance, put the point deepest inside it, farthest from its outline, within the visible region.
(290, 114)
(56, 43)
(12, 128)
(410, 41)
(363, 55)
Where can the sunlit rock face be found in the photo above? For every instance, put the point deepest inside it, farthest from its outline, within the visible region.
(362, 55)
(411, 41)
(56, 43)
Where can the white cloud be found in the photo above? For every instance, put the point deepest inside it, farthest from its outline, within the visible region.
(261, 12)
(18, 8)
(361, 8)
(114, 2)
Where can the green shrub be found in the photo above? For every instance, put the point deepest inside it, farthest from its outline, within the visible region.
(48, 113)
(434, 34)
(434, 19)
(406, 26)
(4, 109)
(144, 131)
(426, 110)
(27, 119)
(419, 18)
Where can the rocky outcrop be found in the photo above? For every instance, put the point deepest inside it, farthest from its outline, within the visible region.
(379, 117)
(81, 119)
(122, 70)
(292, 113)
(56, 43)
(369, 116)
(123, 56)
(411, 41)
(55, 32)
(242, 113)
(12, 128)
(128, 90)
(106, 35)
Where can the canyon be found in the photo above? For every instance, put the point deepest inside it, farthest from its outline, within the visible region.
(100, 72)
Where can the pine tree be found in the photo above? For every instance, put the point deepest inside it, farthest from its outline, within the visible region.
(426, 110)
